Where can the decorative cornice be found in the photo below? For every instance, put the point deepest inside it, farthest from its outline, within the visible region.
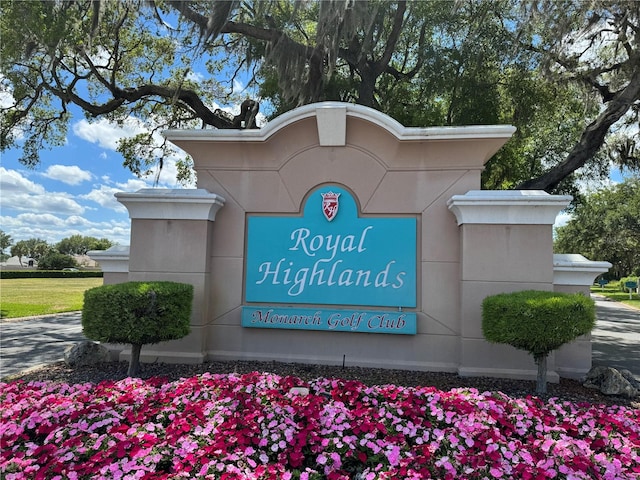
(112, 260)
(510, 207)
(574, 269)
(335, 109)
(171, 204)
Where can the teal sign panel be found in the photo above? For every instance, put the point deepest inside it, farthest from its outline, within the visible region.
(329, 320)
(331, 256)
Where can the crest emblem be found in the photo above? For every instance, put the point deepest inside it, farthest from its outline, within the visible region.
(330, 205)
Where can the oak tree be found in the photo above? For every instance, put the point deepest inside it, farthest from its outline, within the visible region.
(80, 244)
(606, 227)
(566, 73)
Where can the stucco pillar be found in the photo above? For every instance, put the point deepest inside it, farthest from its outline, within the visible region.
(114, 263)
(170, 240)
(506, 245)
(573, 273)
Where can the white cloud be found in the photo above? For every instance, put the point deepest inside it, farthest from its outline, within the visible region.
(76, 221)
(168, 176)
(13, 181)
(53, 202)
(52, 228)
(41, 220)
(132, 185)
(71, 175)
(21, 194)
(30, 211)
(103, 195)
(105, 133)
(238, 87)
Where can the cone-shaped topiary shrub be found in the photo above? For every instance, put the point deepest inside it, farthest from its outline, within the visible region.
(138, 313)
(538, 322)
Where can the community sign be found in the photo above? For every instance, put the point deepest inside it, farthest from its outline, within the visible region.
(331, 256)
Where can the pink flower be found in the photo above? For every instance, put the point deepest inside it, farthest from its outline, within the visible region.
(393, 455)
(495, 473)
(248, 426)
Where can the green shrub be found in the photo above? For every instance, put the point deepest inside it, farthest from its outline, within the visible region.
(538, 322)
(56, 261)
(9, 274)
(138, 313)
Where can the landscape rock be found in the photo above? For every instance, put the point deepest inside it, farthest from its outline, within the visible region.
(85, 354)
(611, 381)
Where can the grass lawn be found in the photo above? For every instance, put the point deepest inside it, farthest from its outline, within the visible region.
(613, 293)
(23, 297)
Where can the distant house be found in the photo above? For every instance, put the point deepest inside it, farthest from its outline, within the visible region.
(14, 262)
(85, 261)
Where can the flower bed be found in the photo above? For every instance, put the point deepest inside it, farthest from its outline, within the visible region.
(255, 426)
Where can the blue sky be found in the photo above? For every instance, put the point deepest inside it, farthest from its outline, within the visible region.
(72, 190)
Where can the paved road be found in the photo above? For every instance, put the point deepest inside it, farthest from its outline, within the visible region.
(616, 338)
(30, 343)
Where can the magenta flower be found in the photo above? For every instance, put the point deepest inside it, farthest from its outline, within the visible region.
(252, 427)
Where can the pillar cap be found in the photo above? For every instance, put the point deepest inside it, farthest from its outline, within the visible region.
(574, 269)
(507, 207)
(171, 204)
(112, 260)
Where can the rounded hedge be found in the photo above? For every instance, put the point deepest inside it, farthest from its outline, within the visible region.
(137, 312)
(537, 321)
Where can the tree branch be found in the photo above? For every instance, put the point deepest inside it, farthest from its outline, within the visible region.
(588, 79)
(392, 41)
(591, 140)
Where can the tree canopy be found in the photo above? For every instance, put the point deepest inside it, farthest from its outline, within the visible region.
(5, 241)
(56, 261)
(606, 227)
(37, 248)
(566, 73)
(34, 248)
(80, 245)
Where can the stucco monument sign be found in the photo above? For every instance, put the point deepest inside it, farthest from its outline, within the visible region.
(331, 256)
(336, 234)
